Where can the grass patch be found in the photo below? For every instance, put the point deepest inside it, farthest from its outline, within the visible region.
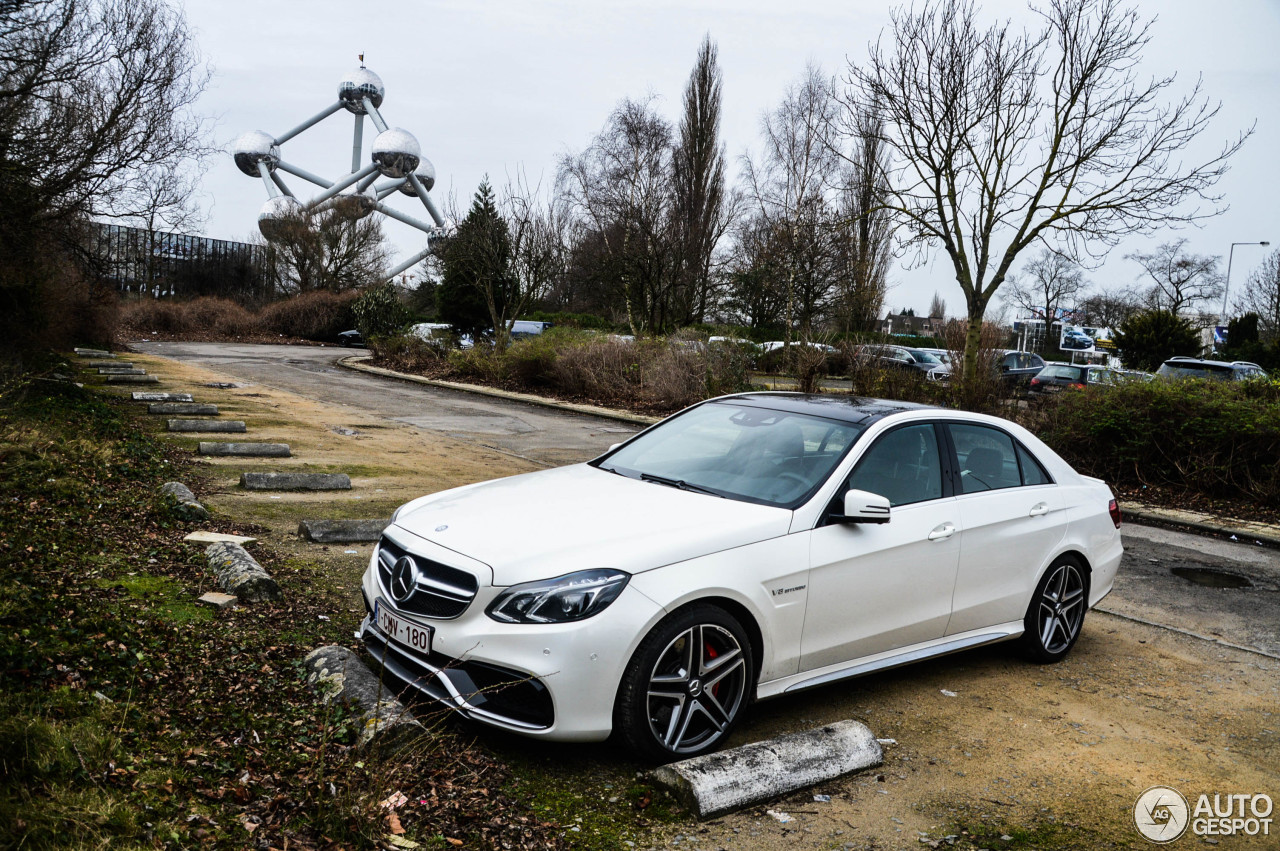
(132, 718)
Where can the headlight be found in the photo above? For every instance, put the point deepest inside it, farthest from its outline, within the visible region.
(566, 598)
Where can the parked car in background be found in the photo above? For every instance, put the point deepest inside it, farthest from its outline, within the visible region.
(432, 332)
(1018, 368)
(1213, 370)
(904, 358)
(351, 339)
(1056, 377)
(524, 328)
(748, 547)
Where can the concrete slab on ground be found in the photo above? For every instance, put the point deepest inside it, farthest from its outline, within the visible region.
(729, 780)
(244, 450)
(217, 538)
(208, 425)
(343, 531)
(295, 481)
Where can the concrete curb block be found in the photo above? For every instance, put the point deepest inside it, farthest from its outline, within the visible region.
(342, 531)
(295, 481)
(728, 780)
(109, 364)
(1261, 532)
(132, 379)
(144, 396)
(183, 501)
(356, 362)
(192, 408)
(237, 426)
(245, 450)
(93, 353)
(336, 672)
(240, 574)
(120, 370)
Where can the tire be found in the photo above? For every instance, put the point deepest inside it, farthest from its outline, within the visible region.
(673, 704)
(1056, 614)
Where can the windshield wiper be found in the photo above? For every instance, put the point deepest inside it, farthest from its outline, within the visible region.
(679, 483)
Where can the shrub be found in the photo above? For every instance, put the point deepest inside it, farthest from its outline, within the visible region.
(321, 315)
(1215, 438)
(406, 352)
(378, 311)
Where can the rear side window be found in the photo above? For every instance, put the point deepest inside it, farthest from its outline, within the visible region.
(1032, 472)
(987, 458)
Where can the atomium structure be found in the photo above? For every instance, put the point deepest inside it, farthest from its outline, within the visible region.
(394, 155)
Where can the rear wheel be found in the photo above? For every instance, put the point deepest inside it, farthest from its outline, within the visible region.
(1056, 614)
(686, 686)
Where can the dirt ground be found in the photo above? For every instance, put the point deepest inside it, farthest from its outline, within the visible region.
(989, 750)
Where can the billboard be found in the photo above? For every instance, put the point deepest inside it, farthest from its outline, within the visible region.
(1080, 338)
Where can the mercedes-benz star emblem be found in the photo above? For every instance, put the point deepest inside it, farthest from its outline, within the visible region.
(404, 579)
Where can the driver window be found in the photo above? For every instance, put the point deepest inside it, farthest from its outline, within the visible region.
(903, 465)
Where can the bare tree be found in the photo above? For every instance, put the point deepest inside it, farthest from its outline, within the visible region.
(1110, 308)
(95, 96)
(938, 306)
(1181, 281)
(324, 250)
(864, 227)
(788, 185)
(1261, 295)
(1048, 283)
(536, 231)
(702, 209)
(618, 191)
(1000, 139)
(755, 294)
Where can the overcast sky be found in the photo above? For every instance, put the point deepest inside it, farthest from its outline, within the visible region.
(494, 86)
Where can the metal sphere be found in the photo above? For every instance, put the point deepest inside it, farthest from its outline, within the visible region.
(357, 85)
(255, 147)
(396, 153)
(352, 204)
(275, 213)
(426, 173)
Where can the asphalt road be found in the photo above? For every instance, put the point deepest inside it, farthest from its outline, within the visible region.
(1148, 587)
(544, 435)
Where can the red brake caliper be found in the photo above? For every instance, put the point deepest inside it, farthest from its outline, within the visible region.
(711, 654)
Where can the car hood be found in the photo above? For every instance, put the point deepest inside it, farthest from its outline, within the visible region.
(553, 522)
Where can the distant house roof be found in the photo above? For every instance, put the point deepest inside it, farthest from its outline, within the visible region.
(902, 323)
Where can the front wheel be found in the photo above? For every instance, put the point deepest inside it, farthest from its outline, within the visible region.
(687, 685)
(1056, 614)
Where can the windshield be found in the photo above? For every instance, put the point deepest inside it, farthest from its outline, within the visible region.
(1071, 373)
(924, 357)
(739, 452)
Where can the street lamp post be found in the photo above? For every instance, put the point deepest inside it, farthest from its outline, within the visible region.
(1227, 285)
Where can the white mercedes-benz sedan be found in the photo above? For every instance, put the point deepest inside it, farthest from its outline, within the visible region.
(747, 547)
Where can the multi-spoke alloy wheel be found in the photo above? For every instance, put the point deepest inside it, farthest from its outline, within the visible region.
(687, 685)
(1057, 610)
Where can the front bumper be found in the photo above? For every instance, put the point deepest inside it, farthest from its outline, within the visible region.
(553, 681)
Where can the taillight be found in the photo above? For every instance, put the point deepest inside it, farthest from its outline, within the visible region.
(1035, 381)
(1076, 386)
(1113, 508)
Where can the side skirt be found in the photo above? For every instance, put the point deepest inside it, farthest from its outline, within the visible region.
(889, 659)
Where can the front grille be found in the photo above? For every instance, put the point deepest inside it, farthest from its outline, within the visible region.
(476, 689)
(441, 591)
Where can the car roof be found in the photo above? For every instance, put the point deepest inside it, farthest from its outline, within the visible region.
(853, 409)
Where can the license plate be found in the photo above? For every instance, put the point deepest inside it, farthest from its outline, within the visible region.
(402, 631)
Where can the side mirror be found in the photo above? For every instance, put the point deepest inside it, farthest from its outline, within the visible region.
(864, 507)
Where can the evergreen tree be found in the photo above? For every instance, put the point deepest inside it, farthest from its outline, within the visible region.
(1147, 339)
(477, 277)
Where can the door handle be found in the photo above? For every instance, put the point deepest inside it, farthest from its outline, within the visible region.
(1040, 508)
(941, 533)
